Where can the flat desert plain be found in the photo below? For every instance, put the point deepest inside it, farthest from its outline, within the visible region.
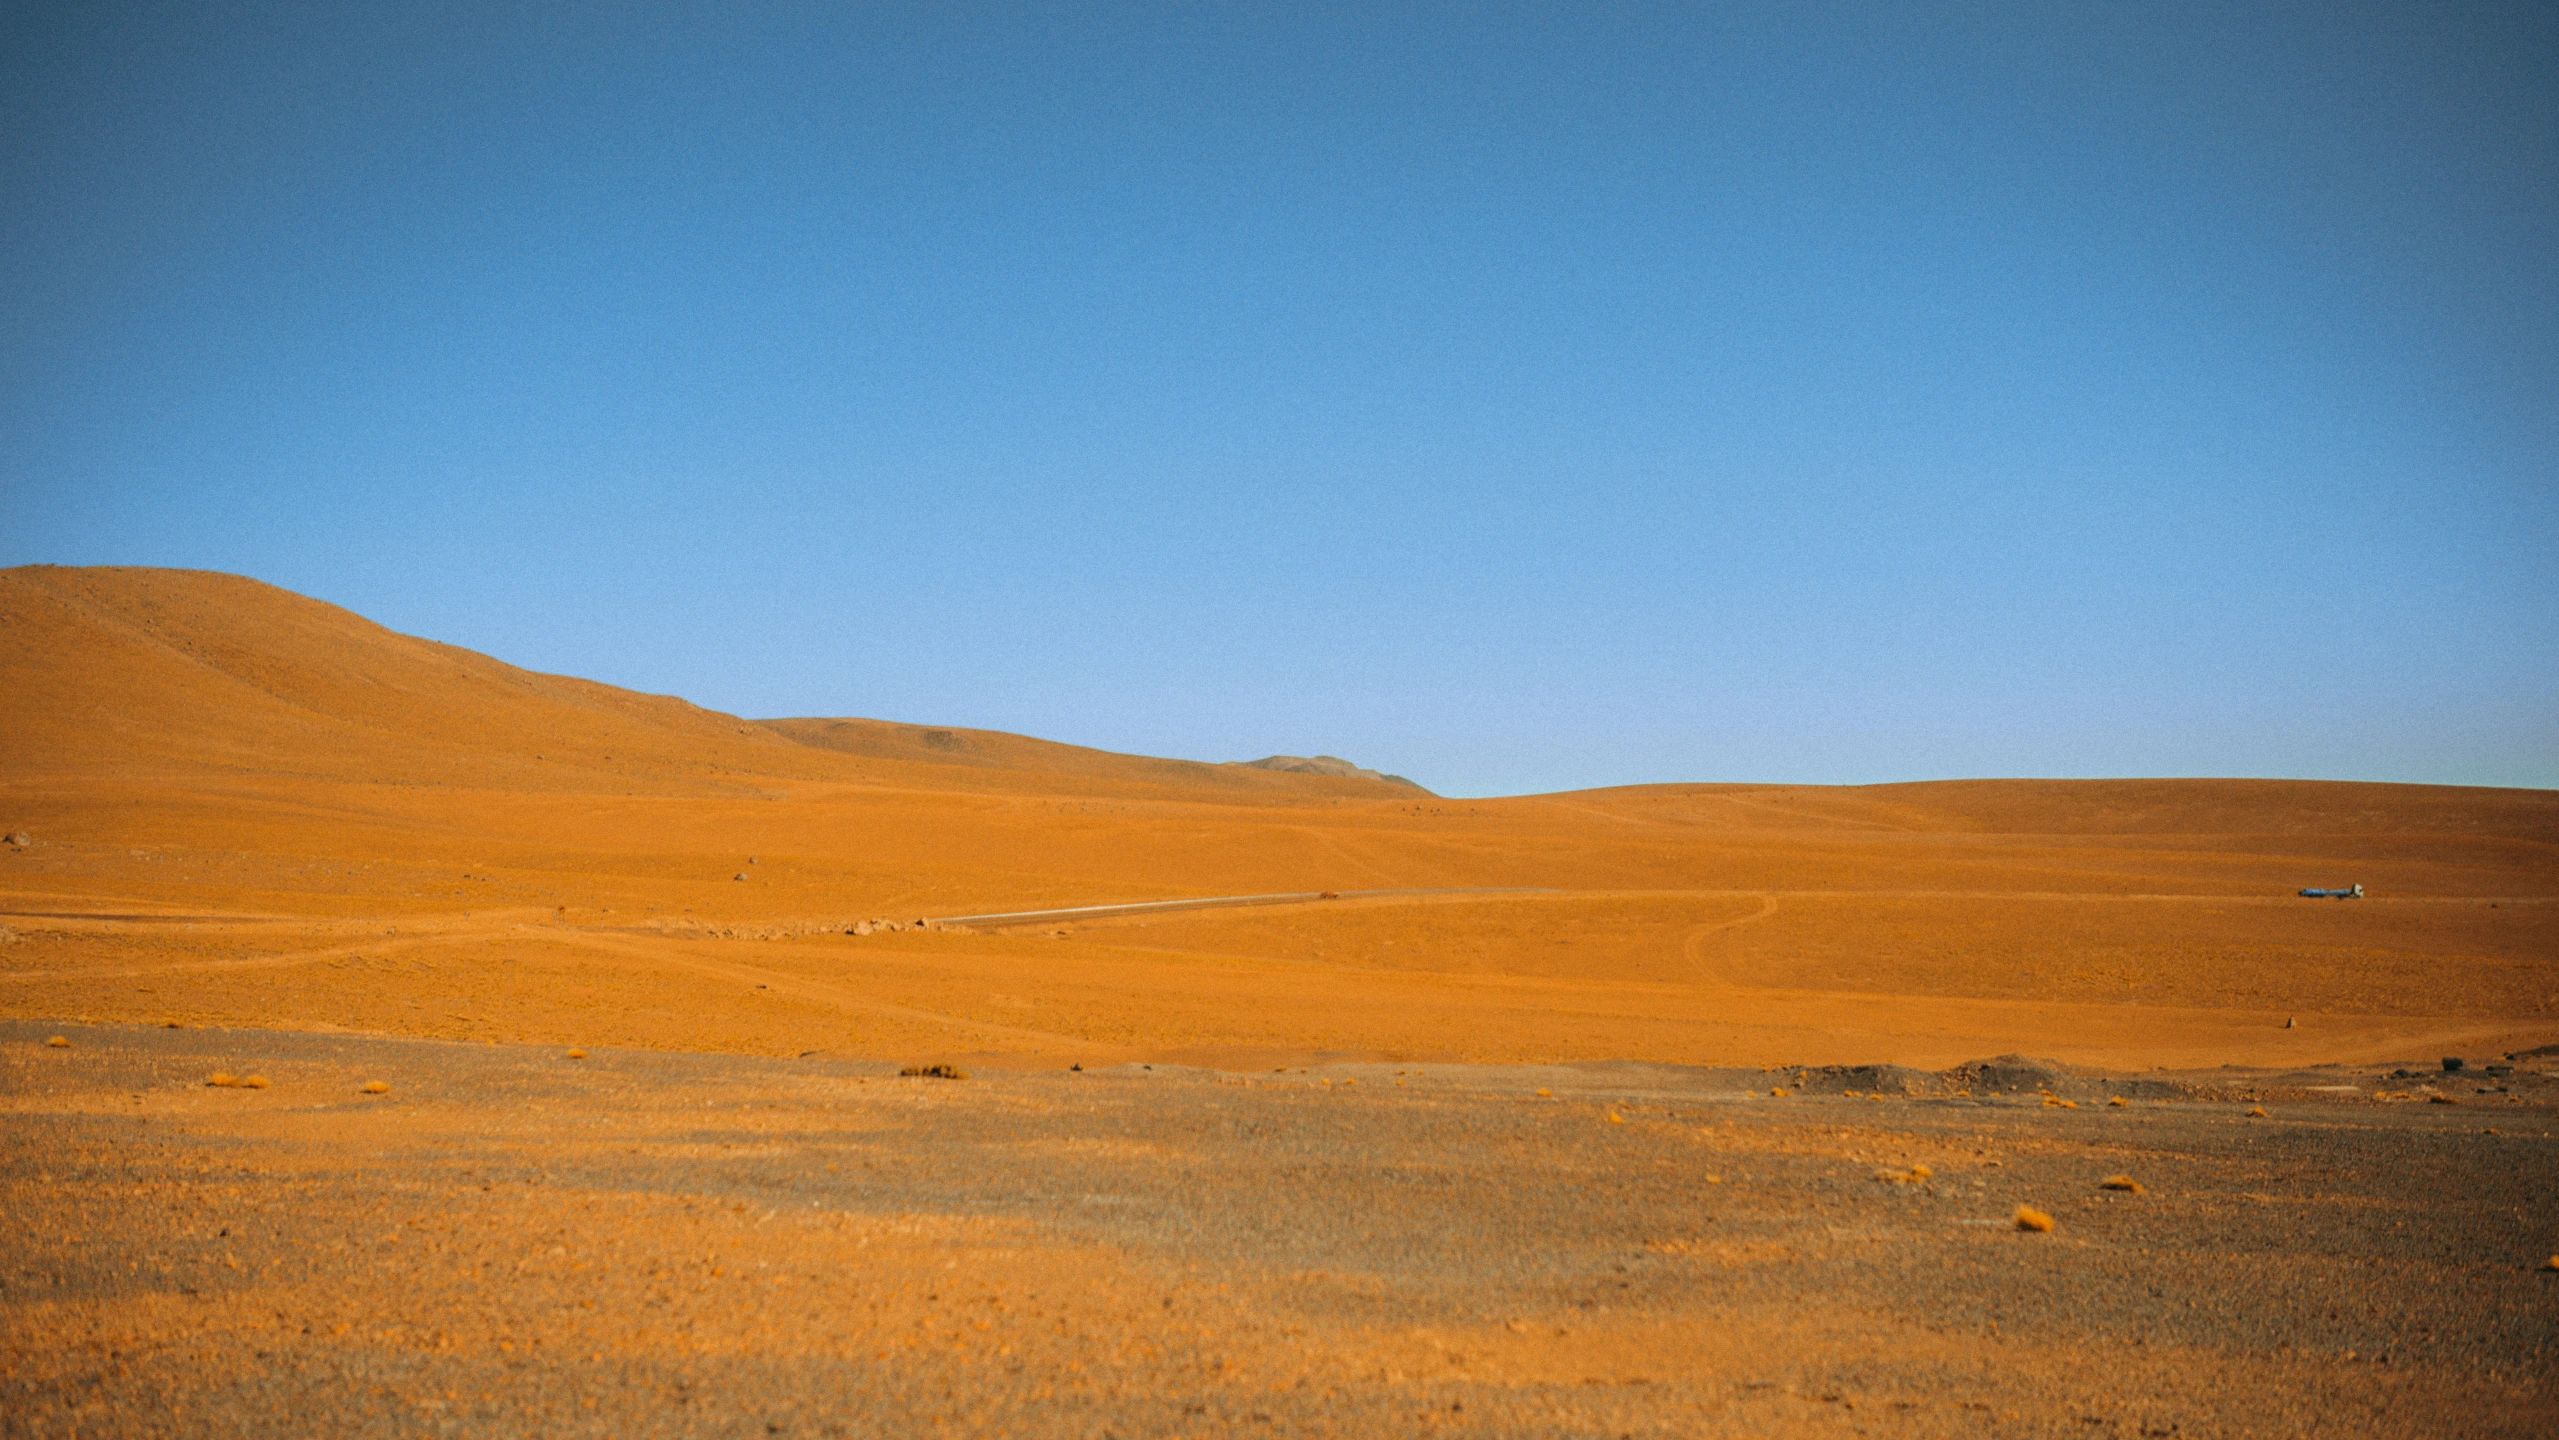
(1657, 1110)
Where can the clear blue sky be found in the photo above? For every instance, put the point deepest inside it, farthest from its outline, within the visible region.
(1518, 398)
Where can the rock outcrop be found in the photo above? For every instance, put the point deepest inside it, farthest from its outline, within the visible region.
(1333, 765)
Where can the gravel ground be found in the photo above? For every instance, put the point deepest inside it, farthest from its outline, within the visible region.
(512, 1241)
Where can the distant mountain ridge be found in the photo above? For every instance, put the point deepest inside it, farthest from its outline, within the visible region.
(954, 745)
(1333, 765)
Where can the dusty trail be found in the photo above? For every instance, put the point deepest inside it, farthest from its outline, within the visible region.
(1130, 908)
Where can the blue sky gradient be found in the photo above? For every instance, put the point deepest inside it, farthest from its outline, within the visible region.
(1518, 398)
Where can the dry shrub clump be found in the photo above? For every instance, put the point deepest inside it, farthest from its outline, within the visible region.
(935, 1072)
(1912, 1176)
(1779, 1094)
(2257, 1112)
(222, 1078)
(2551, 1264)
(58, 1042)
(2441, 1100)
(375, 1087)
(253, 1082)
(2115, 1100)
(1616, 1119)
(577, 1054)
(2125, 1183)
(2030, 1218)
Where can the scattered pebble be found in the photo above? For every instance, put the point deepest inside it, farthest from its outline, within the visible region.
(2030, 1218)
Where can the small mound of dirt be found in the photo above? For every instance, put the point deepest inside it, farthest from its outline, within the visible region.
(2008, 1072)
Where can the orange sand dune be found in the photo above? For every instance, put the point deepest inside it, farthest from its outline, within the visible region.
(251, 808)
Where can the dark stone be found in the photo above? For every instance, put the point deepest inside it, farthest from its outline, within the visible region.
(2451, 1064)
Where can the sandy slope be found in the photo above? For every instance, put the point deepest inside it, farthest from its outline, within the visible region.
(251, 808)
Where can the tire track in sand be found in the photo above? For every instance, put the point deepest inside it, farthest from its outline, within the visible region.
(1705, 969)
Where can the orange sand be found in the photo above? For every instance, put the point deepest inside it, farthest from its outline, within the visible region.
(248, 808)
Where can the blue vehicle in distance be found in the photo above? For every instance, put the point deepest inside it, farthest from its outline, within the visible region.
(2351, 892)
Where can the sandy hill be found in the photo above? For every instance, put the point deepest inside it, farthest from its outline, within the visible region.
(123, 666)
(251, 808)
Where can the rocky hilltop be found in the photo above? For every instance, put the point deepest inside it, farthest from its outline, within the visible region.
(1333, 765)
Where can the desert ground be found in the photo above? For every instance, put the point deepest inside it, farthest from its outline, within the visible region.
(252, 833)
